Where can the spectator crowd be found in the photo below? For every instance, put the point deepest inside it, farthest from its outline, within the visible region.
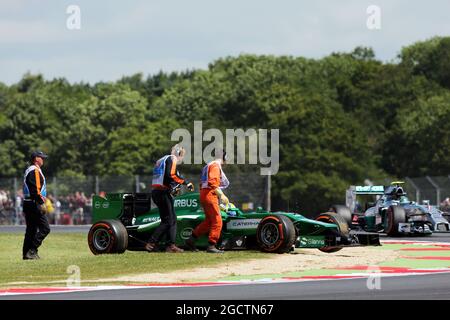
(74, 208)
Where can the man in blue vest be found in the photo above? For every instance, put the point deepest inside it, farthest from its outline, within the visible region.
(165, 179)
(34, 209)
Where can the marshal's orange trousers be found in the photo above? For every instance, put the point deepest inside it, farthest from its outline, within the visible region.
(213, 220)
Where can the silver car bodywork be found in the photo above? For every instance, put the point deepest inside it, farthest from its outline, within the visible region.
(421, 219)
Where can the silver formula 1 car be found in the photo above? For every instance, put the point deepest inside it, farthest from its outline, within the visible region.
(391, 212)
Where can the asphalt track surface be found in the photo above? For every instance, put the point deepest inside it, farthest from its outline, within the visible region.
(428, 287)
(422, 287)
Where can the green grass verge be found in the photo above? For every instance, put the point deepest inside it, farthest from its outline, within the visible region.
(60, 251)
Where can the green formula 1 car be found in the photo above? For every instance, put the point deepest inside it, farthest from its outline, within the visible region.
(125, 221)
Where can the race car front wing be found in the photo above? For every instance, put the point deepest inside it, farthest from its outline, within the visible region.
(355, 239)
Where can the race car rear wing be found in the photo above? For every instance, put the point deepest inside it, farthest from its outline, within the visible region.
(363, 190)
(353, 191)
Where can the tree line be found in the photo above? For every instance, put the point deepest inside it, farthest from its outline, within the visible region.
(343, 118)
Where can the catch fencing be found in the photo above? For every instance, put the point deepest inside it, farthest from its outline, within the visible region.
(434, 189)
(70, 198)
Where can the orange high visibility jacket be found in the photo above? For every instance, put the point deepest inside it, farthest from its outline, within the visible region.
(213, 177)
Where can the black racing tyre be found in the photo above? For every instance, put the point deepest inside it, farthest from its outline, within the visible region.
(108, 236)
(394, 215)
(275, 234)
(343, 229)
(344, 212)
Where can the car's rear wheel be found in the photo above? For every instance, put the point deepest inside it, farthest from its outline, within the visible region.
(108, 236)
(275, 234)
(342, 226)
(394, 216)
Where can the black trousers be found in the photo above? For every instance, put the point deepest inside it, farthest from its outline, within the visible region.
(168, 227)
(37, 227)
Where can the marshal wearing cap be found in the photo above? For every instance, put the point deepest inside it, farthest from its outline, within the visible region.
(34, 207)
(38, 154)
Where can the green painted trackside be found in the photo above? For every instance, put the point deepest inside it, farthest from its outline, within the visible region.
(418, 253)
(426, 254)
(400, 262)
(418, 264)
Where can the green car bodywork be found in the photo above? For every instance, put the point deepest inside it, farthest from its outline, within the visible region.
(239, 231)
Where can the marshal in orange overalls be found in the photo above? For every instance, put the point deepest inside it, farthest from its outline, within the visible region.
(212, 178)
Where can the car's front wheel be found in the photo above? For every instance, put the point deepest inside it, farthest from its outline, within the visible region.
(342, 226)
(344, 212)
(394, 215)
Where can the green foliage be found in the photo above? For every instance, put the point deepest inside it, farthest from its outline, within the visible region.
(422, 137)
(430, 58)
(342, 119)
